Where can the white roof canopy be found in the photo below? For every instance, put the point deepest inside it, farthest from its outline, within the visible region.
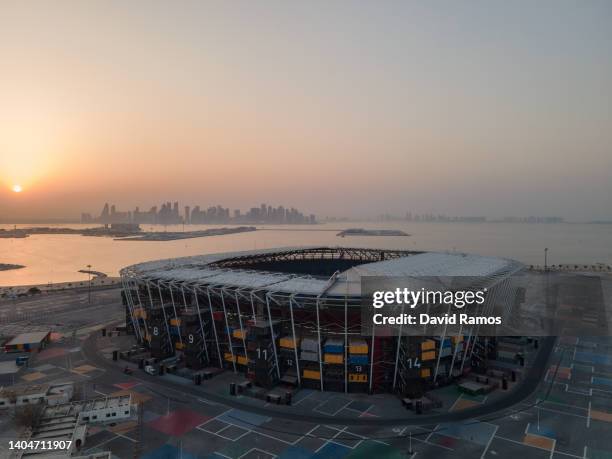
(197, 271)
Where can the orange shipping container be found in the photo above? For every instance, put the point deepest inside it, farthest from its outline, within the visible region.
(334, 358)
(312, 374)
(429, 355)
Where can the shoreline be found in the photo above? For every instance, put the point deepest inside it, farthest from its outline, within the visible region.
(178, 235)
(9, 266)
(96, 282)
(124, 234)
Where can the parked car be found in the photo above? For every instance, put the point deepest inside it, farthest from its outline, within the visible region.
(150, 370)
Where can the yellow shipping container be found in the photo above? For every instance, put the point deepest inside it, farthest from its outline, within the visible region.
(429, 355)
(360, 348)
(333, 358)
(242, 360)
(287, 342)
(175, 322)
(425, 373)
(179, 345)
(358, 377)
(229, 357)
(312, 374)
(457, 339)
(239, 334)
(428, 345)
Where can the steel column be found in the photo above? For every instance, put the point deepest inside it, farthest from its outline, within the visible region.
(272, 334)
(297, 363)
(441, 347)
(161, 300)
(130, 309)
(253, 309)
(144, 320)
(319, 343)
(212, 317)
(184, 299)
(242, 331)
(372, 356)
(229, 336)
(397, 352)
(200, 319)
(178, 327)
(346, 341)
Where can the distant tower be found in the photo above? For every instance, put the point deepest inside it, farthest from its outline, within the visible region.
(186, 218)
(281, 214)
(104, 214)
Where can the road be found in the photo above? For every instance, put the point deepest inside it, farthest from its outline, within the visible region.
(60, 311)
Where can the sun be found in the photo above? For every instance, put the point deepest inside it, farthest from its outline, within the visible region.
(17, 188)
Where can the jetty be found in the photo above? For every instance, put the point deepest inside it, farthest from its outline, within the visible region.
(365, 232)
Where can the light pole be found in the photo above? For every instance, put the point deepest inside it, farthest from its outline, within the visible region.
(410, 447)
(89, 284)
(546, 259)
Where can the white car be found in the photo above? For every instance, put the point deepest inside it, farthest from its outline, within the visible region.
(150, 369)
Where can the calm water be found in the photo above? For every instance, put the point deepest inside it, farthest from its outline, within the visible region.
(57, 258)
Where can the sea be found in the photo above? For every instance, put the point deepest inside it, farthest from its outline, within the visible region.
(51, 259)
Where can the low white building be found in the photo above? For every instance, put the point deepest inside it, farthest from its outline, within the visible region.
(69, 421)
(108, 409)
(51, 394)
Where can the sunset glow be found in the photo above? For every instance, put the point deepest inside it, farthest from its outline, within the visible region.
(17, 188)
(430, 116)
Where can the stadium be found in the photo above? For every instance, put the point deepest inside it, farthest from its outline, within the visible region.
(293, 316)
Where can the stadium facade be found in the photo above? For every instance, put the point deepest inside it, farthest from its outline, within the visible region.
(293, 315)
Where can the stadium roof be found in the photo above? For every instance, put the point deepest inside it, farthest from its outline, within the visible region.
(197, 271)
(427, 264)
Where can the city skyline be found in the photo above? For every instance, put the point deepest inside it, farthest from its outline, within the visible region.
(348, 110)
(170, 213)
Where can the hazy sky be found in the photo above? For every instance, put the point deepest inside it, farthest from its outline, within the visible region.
(338, 108)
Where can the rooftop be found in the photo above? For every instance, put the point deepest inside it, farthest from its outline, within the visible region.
(19, 390)
(28, 338)
(30, 389)
(212, 271)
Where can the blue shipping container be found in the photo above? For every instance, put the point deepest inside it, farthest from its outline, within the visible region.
(358, 359)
